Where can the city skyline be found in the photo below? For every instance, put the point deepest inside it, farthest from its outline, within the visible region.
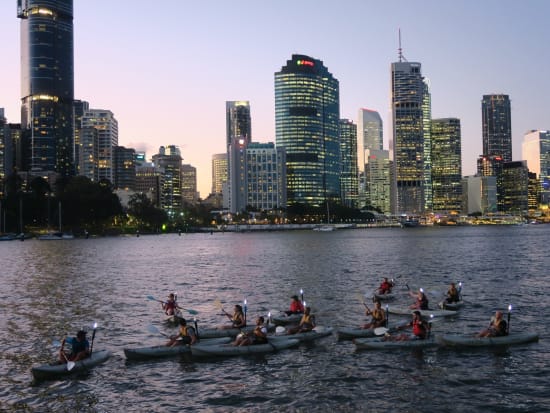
(177, 70)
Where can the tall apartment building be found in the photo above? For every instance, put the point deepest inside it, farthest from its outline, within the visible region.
(446, 164)
(47, 86)
(409, 100)
(307, 114)
(378, 179)
(189, 192)
(150, 181)
(124, 166)
(348, 160)
(219, 172)
(104, 122)
(238, 121)
(515, 188)
(536, 151)
(496, 121)
(168, 160)
(79, 108)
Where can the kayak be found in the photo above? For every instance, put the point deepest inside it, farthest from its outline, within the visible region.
(227, 350)
(55, 371)
(384, 297)
(378, 343)
(314, 334)
(424, 313)
(469, 341)
(351, 333)
(284, 320)
(228, 332)
(451, 306)
(144, 353)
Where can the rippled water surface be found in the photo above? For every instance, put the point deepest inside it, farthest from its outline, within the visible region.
(52, 288)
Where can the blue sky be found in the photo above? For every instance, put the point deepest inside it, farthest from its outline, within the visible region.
(165, 69)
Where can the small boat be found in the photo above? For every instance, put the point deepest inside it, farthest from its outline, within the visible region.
(383, 297)
(52, 236)
(379, 343)
(55, 371)
(424, 313)
(284, 320)
(145, 353)
(459, 341)
(306, 336)
(227, 350)
(8, 237)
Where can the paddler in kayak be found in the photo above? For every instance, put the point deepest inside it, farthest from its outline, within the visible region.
(80, 348)
(421, 302)
(186, 335)
(238, 319)
(453, 295)
(378, 316)
(420, 329)
(307, 323)
(296, 306)
(170, 306)
(497, 327)
(385, 286)
(257, 336)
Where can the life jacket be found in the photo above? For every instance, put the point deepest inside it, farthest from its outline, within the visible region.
(307, 319)
(419, 329)
(296, 307)
(237, 319)
(378, 314)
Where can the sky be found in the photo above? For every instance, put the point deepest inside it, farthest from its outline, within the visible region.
(165, 69)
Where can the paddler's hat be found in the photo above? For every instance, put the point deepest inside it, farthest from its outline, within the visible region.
(81, 333)
(294, 297)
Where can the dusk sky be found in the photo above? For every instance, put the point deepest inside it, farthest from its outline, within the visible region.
(166, 68)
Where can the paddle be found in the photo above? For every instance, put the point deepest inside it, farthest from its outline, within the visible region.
(245, 309)
(196, 328)
(189, 310)
(380, 331)
(93, 337)
(302, 296)
(70, 364)
(155, 330)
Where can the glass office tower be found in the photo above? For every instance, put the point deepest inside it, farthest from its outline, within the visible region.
(307, 114)
(239, 124)
(47, 84)
(409, 95)
(497, 126)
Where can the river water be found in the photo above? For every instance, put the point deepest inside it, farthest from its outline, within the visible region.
(53, 288)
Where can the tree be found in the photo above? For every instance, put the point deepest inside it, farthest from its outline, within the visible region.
(142, 209)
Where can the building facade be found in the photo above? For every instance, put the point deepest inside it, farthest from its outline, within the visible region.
(515, 188)
(307, 114)
(189, 184)
(124, 168)
(47, 86)
(378, 180)
(238, 121)
(349, 176)
(104, 122)
(496, 119)
(536, 151)
(168, 161)
(219, 172)
(446, 164)
(408, 100)
(479, 195)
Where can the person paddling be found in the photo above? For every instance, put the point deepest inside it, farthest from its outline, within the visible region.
(385, 286)
(421, 302)
(170, 306)
(497, 327)
(453, 295)
(378, 316)
(238, 319)
(186, 335)
(307, 323)
(296, 306)
(258, 336)
(420, 329)
(80, 348)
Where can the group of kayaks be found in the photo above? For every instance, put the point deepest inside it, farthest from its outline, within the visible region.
(217, 342)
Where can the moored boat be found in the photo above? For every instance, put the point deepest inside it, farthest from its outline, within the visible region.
(227, 350)
(55, 371)
(461, 341)
(52, 236)
(144, 353)
(382, 343)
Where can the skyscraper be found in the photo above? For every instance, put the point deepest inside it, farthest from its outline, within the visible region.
(239, 125)
(348, 159)
(47, 85)
(497, 126)
(408, 103)
(370, 134)
(168, 160)
(446, 164)
(107, 138)
(219, 172)
(536, 151)
(307, 114)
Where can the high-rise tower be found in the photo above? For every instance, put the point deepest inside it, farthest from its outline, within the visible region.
(237, 116)
(307, 114)
(497, 126)
(47, 84)
(409, 96)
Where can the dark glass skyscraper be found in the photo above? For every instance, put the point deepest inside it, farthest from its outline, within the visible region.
(239, 124)
(410, 108)
(47, 84)
(497, 126)
(307, 114)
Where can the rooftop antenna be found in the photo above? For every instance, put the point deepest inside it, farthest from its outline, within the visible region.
(400, 50)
